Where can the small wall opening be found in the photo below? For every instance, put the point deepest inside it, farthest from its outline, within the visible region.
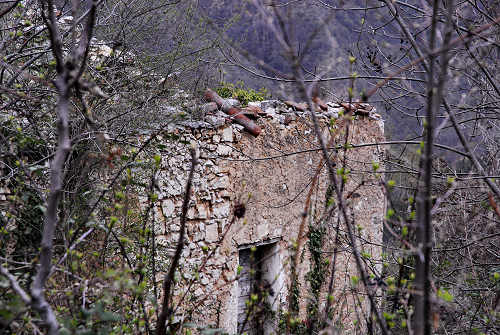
(260, 286)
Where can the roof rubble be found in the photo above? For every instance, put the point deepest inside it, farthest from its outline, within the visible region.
(218, 111)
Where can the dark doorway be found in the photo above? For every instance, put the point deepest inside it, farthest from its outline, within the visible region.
(258, 284)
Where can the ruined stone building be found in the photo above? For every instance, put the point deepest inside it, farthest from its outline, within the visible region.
(226, 259)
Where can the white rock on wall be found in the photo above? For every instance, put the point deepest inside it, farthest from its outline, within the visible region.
(221, 210)
(205, 195)
(168, 208)
(220, 183)
(211, 233)
(278, 232)
(224, 150)
(202, 211)
(225, 194)
(199, 236)
(173, 189)
(215, 274)
(202, 185)
(191, 213)
(262, 231)
(227, 134)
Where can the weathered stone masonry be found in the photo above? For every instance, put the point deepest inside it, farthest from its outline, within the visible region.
(270, 174)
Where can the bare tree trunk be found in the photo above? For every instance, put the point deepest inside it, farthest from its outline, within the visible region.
(423, 305)
(68, 74)
(56, 184)
(424, 219)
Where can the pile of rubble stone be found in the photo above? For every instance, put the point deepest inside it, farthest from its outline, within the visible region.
(218, 111)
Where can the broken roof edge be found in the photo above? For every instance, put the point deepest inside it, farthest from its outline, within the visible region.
(211, 115)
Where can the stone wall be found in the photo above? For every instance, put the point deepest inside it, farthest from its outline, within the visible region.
(270, 175)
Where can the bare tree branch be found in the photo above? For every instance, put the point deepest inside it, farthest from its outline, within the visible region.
(15, 285)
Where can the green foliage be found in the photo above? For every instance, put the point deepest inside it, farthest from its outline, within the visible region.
(445, 295)
(96, 320)
(21, 225)
(295, 296)
(241, 93)
(317, 275)
(287, 324)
